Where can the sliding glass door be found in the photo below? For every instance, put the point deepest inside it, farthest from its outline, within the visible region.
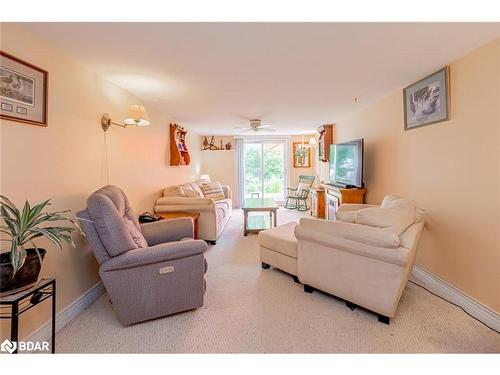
(265, 170)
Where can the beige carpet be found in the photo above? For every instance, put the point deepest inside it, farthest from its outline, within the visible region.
(250, 310)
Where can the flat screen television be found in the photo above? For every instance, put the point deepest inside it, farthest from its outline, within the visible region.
(346, 164)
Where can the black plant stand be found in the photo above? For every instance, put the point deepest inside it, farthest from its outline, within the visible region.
(12, 306)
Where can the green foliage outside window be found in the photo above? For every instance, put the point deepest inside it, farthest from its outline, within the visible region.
(273, 169)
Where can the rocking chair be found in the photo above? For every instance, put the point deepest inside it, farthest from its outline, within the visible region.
(296, 198)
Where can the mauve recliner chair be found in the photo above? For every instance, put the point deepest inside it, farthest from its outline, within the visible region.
(149, 270)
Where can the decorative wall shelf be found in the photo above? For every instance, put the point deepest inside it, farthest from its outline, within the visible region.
(179, 154)
(217, 143)
(326, 138)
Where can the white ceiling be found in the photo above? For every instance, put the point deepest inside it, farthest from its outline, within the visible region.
(296, 76)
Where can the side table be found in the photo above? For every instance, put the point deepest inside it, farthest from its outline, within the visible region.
(13, 305)
(175, 215)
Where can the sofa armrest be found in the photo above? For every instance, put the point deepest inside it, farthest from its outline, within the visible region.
(400, 256)
(154, 254)
(168, 230)
(227, 191)
(349, 207)
(182, 201)
(354, 232)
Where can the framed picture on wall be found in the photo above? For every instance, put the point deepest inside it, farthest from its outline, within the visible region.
(23, 91)
(428, 100)
(301, 155)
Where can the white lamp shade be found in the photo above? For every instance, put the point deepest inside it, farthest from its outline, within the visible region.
(312, 142)
(137, 116)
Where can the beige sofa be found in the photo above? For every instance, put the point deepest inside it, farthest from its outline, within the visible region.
(188, 197)
(364, 257)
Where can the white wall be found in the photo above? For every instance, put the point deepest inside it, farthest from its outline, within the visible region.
(220, 165)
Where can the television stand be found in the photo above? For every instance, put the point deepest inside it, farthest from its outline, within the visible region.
(335, 196)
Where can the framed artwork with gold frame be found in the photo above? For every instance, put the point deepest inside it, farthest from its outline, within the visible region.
(301, 155)
(23, 91)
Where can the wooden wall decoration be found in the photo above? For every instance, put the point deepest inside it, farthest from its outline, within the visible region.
(326, 138)
(179, 154)
(216, 143)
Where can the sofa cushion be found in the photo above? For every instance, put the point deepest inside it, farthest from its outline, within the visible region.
(179, 191)
(324, 231)
(396, 218)
(280, 239)
(395, 200)
(191, 190)
(346, 216)
(213, 190)
(172, 191)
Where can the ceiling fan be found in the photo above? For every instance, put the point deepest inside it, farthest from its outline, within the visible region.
(256, 125)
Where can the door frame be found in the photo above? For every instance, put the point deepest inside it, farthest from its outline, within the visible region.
(240, 163)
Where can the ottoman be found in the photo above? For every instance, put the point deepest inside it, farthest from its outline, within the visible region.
(278, 248)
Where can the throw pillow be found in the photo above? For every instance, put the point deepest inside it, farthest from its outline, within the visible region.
(187, 193)
(173, 191)
(194, 189)
(395, 219)
(184, 191)
(213, 190)
(394, 200)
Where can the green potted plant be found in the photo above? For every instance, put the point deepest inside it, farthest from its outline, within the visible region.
(20, 267)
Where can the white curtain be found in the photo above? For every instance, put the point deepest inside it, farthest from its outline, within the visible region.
(240, 171)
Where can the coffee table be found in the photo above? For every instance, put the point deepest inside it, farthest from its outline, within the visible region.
(254, 224)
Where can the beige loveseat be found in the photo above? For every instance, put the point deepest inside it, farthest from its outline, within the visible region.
(365, 257)
(188, 197)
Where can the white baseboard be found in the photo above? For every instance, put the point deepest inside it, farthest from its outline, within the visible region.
(68, 314)
(447, 291)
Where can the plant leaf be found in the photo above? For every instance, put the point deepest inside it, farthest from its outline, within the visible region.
(37, 252)
(17, 257)
(36, 211)
(7, 218)
(56, 240)
(7, 202)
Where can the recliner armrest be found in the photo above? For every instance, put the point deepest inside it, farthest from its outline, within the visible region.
(167, 230)
(155, 254)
